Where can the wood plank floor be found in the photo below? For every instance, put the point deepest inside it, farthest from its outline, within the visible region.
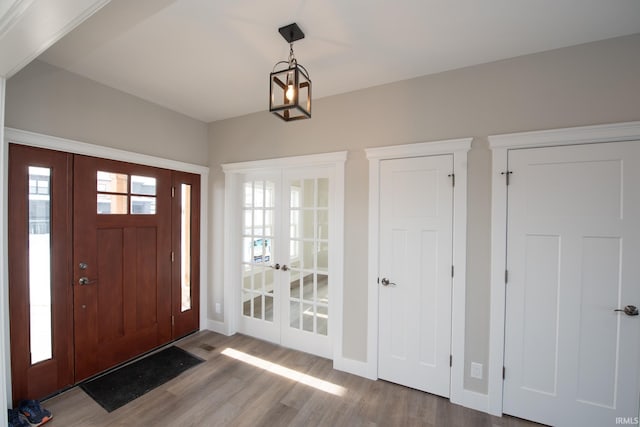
(225, 391)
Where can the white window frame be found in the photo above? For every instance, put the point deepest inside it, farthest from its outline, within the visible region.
(458, 148)
(500, 146)
(233, 180)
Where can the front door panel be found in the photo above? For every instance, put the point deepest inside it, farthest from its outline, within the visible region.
(121, 262)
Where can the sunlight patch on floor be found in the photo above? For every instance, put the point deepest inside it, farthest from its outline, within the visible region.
(291, 374)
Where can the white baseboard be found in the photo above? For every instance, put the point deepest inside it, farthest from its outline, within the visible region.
(217, 326)
(355, 367)
(473, 400)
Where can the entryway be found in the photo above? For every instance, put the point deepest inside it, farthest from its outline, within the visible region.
(285, 224)
(104, 264)
(572, 334)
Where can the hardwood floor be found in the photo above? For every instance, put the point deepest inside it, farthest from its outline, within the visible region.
(226, 391)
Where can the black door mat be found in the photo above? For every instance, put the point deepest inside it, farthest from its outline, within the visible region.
(121, 386)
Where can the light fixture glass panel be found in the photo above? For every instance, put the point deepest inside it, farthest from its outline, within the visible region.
(40, 332)
(144, 185)
(185, 244)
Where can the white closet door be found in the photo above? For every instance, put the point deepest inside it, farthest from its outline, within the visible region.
(573, 252)
(416, 213)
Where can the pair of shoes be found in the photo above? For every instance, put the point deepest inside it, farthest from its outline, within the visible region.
(35, 414)
(16, 419)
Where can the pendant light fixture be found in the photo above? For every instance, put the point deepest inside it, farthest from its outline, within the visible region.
(289, 83)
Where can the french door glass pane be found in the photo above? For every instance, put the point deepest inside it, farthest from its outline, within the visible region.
(40, 263)
(308, 253)
(257, 248)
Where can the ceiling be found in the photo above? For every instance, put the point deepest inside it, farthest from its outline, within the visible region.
(210, 59)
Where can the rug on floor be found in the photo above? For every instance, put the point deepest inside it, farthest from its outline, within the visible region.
(122, 385)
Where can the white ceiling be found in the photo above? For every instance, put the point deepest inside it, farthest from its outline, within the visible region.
(210, 59)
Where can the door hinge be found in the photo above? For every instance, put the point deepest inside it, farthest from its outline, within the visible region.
(173, 320)
(450, 360)
(453, 179)
(452, 271)
(173, 255)
(506, 175)
(506, 277)
(173, 192)
(504, 372)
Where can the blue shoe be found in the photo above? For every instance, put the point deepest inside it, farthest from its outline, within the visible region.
(36, 415)
(16, 419)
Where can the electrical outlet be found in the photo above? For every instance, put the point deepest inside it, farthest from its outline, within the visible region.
(218, 309)
(476, 370)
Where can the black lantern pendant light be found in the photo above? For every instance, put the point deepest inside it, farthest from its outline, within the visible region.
(289, 83)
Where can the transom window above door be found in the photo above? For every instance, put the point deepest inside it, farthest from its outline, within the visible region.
(123, 194)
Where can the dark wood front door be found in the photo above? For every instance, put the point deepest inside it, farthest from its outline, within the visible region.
(121, 262)
(103, 264)
(40, 292)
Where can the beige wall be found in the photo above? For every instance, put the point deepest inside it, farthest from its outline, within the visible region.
(46, 99)
(582, 85)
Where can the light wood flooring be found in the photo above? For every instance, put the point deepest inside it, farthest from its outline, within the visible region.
(225, 391)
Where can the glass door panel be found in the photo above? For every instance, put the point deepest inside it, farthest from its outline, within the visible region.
(308, 255)
(259, 245)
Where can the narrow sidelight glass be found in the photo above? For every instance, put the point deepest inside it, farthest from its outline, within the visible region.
(185, 245)
(40, 333)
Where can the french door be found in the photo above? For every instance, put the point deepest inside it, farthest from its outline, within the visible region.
(284, 263)
(103, 264)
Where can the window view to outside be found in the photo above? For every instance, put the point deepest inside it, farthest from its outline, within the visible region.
(114, 194)
(39, 263)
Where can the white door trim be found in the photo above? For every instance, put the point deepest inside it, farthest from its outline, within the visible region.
(500, 145)
(458, 148)
(76, 147)
(5, 360)
(233, 172)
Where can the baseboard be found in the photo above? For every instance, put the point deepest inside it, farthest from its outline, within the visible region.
(473, 400)
(355, 367)
(217, 326)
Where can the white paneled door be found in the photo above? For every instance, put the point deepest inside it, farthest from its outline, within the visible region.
(415, 258)
(573, 260)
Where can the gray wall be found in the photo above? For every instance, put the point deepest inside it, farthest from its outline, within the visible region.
(46, 99)
(581, 85)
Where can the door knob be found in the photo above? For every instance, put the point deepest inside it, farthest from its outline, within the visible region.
(285, 268)
(85, 281)
(386, 282)
(630, 310)
(276, 266)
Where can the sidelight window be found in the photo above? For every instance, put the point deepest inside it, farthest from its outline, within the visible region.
(40, 264)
